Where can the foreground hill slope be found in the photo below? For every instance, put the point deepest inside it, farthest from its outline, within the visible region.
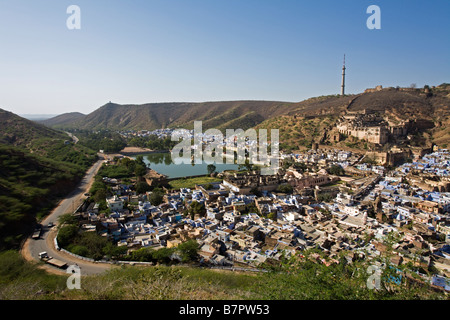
(38, 166)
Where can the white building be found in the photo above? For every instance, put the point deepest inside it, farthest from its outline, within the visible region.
(115, 203)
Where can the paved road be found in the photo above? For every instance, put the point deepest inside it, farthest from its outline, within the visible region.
(74, 138)
(33, 247)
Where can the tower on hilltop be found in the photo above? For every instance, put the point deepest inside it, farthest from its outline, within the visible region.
(343, 79)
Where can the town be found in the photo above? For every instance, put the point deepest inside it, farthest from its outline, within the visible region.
(325, 199)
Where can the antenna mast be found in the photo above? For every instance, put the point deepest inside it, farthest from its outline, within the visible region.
(343, 79)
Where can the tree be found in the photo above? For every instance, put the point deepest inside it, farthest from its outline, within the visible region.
(100, 195)
(255, 191)
(156, 197)
(336, 170)
(79, 250)
(140, 170)
(272, 216)
(196, 208)
(211, 168)
(142, 187)
(163, 255)
(285, 188)
(188, 250)
(113, 250)
(143, 255)
(67, 234)
(68, 219)
(94, 243)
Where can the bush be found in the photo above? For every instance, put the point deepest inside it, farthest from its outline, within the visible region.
(94, 243)
(336, 170)
(188, 250)
(163, 255)
(66, 235)
(285, 188)
(142, 187)
(79, 250)
(156, 197)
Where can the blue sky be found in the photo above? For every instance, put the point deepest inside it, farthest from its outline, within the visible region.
(210, 50)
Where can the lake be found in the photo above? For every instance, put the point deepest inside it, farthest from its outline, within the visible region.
(162, 163)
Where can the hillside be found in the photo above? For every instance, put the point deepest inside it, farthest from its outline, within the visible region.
(38, 166)
(62, 119)
(431, 104)
(300, 123)
(221, 115)
(314, 119)
(305, 280)
(20, 132)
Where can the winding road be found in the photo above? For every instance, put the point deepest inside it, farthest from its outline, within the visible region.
(32, 247)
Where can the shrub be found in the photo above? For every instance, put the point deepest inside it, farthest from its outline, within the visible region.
(66, 235)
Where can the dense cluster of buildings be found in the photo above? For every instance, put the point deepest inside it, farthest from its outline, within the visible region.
(160, 133)
(240, 228)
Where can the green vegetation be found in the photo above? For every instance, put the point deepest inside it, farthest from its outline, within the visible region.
(250, 208)
(298, 133)
(38, 166)
(101, 140)
(22, 280)
(86, 244)
(124, 168)
(142, 187)
(152, 142)
(196, 208)
(185, 252)
(211, 168)
(336, 170)
(156, 197)
(31, 185)
(285, 188)
(293, 279)
(191, 182)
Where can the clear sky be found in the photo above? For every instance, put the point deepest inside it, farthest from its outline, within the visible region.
(144, 51)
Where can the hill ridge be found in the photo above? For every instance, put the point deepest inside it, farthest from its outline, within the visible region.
(406, 102)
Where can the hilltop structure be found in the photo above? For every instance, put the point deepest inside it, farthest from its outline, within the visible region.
(371, 126)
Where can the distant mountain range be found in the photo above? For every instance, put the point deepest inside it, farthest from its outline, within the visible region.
(430, 104)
